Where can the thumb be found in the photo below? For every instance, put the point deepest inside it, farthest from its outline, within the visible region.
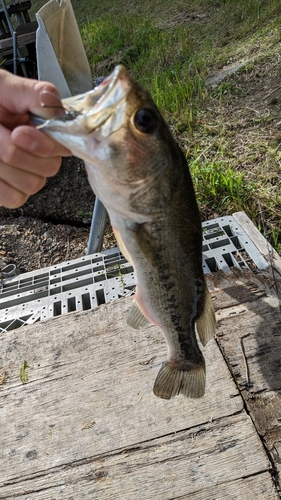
(23, 95)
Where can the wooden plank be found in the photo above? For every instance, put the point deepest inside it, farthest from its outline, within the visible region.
(25, 39)
(91, 367)
(249, 333)
(265, 410)
(272, 257)
(252, 231)
(248, 315)
(207, 462)
(259, 488)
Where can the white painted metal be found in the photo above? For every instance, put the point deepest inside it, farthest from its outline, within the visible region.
(95, 279)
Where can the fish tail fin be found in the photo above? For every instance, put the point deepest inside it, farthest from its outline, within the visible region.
(172, 381)
(206, 323)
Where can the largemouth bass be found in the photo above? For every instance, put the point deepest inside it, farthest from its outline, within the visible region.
(141, 176)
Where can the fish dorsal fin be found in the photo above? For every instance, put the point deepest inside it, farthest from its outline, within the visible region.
(206, 323)
(136, 319)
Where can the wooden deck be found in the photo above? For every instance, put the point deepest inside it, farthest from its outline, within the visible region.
(86, 425)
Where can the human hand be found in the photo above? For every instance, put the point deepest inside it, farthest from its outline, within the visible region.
(27, 155)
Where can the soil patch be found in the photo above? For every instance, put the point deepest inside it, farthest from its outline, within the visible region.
(52, 226)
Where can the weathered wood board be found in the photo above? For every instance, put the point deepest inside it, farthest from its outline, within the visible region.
(249, 333)
(87, 425)
(206, 460)
(24, 39)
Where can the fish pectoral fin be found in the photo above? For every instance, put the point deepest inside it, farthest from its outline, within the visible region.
(171, 381)
(136, 319)
(206, 323)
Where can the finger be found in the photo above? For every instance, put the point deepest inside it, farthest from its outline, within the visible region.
(25, 161)
(20, 180)
(29, 95)
(36, 142)
(11, 197)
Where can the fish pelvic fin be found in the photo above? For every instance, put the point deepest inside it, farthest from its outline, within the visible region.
(172, 381)
(206, 323)
(136, 319)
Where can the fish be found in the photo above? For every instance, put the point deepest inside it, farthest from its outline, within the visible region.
(138, 171)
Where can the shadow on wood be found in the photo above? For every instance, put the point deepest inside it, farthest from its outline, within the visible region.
(249, 333)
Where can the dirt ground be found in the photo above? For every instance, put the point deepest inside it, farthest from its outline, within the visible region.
(53, 226)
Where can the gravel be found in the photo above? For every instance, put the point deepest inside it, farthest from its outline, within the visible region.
(54, 225)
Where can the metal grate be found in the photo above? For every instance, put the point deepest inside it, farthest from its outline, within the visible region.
(87, 282)
(76, 285)
(226, 244)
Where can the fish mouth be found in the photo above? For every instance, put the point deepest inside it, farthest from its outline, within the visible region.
(86, 112)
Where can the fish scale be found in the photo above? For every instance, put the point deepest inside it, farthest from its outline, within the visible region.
(138, 171)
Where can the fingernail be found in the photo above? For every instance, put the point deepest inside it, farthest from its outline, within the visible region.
(51, 107)
(49, 101)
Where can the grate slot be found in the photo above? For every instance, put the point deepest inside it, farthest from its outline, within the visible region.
(212, 233)
(6, 326)
(227, 230)
(228, 259)
(212, 264)
(100, 297)
(20, 290)
(236, 242)
(77, 284)
(219, 243)
(86, 302)
(41, 278)
(71, 304)
(69, 265)
(57, 308)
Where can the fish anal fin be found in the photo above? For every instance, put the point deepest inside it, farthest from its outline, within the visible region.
(171, 381)
(136, 319)
(206, 323)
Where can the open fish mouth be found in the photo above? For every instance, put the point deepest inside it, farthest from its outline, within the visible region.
(84, 113)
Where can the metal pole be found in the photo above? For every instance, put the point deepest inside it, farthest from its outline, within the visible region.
(7, 17)
(98, 224)
(16, 50)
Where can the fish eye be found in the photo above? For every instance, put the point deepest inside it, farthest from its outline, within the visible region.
(145, 120)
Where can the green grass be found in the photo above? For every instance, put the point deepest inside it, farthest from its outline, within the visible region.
(227, 132)
(219, 188)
